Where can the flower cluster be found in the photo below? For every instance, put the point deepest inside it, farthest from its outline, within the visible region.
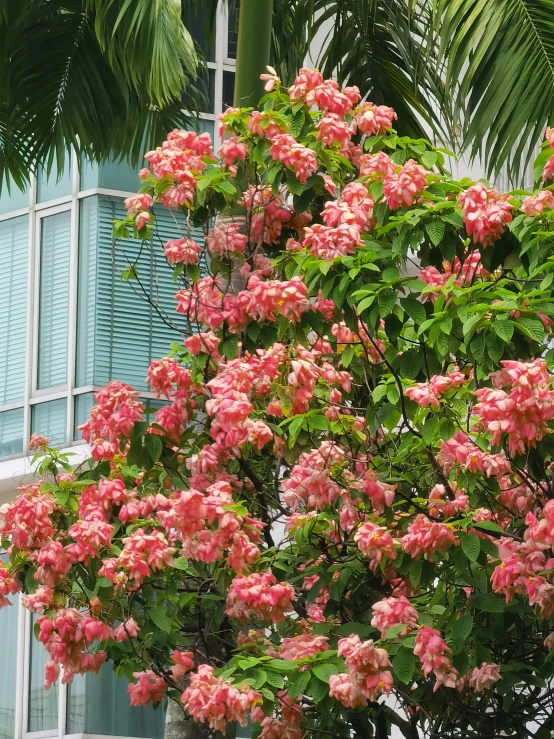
(214, 701)
(259, 595)
(432, 651)
(486, 213)
(367, 677)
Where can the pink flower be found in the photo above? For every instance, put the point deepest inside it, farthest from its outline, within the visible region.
(347, 690)
(390, 612)
(484, 677)
(8, 586)
(216, 702)
(534, 205)
(376, 542)
(373, 119)
(38, 442)
(331, 130)
(401, 187)
(303, 646)
(224, 241)
(485, 213)
(182, 251)
(260, 595)
(142, 219)
(427, 537)
(127, 630)
(232, 150)
(183, 662)
(149, 688)
(271, 79)
(51, 674)
(284, 148)
(431, 650)
(377, 164)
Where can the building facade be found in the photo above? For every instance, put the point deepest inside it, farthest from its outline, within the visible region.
(68, 325)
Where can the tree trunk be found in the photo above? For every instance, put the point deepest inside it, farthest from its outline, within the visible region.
(253, 50)
(177, 726)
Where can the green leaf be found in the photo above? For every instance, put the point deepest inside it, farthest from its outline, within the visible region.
(181, 563)
(275, 679)
(429, 159)
(471, 545)
(487, 602)
(386, 301)
(256, 677)
(478, 347)
(531, 327)
(154, 445)
(435, 229)
(411, 363)
(324, 671)
(430, 430)
(379, 393)
(158, 615)
(461, 628)
(229, 347)
(403, 665)
(281, 665)
(298, 683)
(416, 567)
(488, 526)
(317, 689)
(414, 308)
(504, 329)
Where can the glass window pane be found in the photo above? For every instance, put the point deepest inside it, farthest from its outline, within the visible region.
(15, 199)
(14, 236)
(54, 300)
(88, 174)
(233, 29)
(119, 332)
(54, 186)
(117, 717)
(11, 434)
(8, 667)
(199, 28)
(50, 419)
(83, 404)
(87, 303)
(43, 704)
(228, 89)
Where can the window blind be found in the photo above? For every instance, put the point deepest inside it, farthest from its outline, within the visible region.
(119, 331)
(53, 300)
(13, 307)
(50, 419)
(11, 432)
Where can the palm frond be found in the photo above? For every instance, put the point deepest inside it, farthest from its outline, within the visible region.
(499, 57)
(382, 46)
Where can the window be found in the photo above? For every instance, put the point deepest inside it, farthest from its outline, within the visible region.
(53, 314)
(42, 708)
(69, 323)
(14, 234)
(8, 669)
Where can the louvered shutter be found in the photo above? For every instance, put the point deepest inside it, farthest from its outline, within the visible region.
(128, 331)
(53, 300)
(13, 307)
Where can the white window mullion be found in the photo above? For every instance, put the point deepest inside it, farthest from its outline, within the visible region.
(72, 319)
(32, 285)
(22, 664)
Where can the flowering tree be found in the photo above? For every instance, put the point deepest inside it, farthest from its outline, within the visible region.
(349, 493)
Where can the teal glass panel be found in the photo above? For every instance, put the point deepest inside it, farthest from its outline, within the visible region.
(14, 235)
(99, 704)
(120, 175)
(11, 434)
(15, 199)
(87, 283)
(43, 704)
(232, 28)
(57, 184)
(88, 174)
(119, 331)
(54, 300)
(50, 419)
(83, 404)
(206, 126)
(8, 668)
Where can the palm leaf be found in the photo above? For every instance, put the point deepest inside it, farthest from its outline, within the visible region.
(382, 47)
(499, 58)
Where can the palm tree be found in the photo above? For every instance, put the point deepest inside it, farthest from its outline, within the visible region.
(479, 73)
(102, 76)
